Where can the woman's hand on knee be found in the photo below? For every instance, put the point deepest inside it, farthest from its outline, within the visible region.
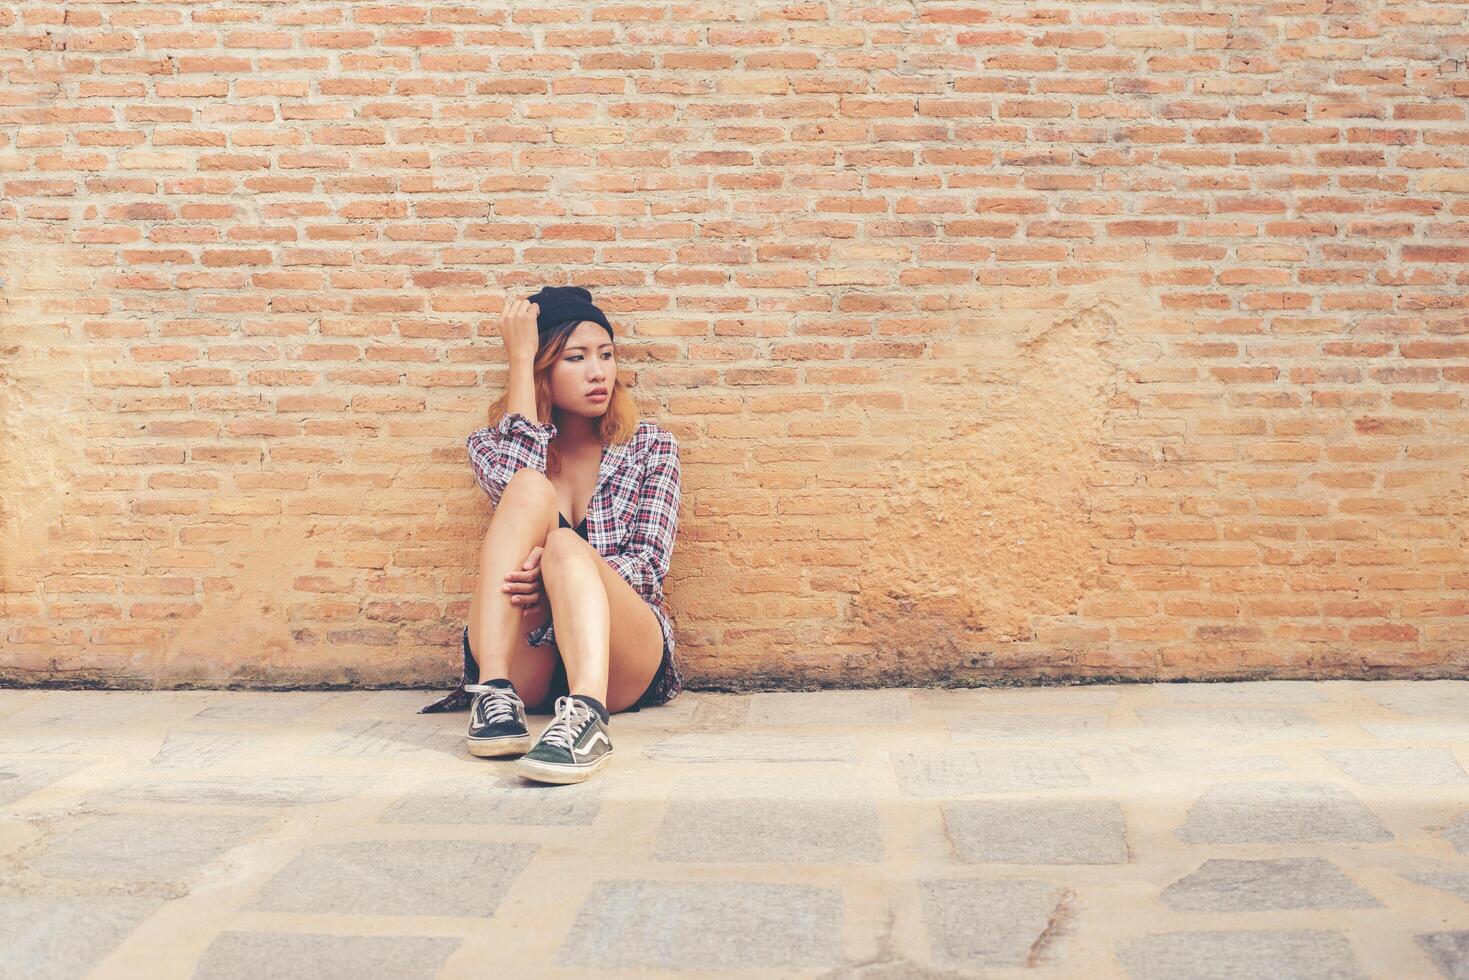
(524, 585)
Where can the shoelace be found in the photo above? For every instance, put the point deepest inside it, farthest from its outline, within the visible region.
(569, 715)
(493, 703)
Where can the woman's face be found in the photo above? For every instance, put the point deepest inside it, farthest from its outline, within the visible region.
(586, 365)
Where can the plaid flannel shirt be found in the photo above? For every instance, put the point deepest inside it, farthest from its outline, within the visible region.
(633, 514)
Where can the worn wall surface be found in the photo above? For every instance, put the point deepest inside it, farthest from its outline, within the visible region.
(1003, 342)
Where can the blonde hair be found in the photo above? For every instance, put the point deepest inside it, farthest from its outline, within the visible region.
(617, 424)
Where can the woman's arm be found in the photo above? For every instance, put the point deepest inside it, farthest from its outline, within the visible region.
(518, 440)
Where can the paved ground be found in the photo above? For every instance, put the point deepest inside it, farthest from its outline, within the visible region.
(1271, 829)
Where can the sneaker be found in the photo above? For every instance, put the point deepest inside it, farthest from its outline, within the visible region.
(496, 721)
(574, 745)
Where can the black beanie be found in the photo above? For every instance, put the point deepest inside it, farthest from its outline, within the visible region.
(557, 304)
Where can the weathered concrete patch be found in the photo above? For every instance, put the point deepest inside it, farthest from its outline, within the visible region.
(59, 937)
(1245, 955)
(141, 847)
(1037, 831)
(253, 955)
(845, 708)
(1224, 885)
(414, 877)
(944, 586)
(502, 799)
(957, 772)
(1261, 813)
(709, 925)
(768, 831)
(990, 923)
(1399, 767)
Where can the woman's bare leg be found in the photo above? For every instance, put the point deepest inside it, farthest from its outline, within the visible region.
(497, 629)
(605, 632)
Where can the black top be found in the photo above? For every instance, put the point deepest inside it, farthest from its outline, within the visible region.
(579, 529)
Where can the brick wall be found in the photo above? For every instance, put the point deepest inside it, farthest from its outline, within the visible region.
(1003, 341)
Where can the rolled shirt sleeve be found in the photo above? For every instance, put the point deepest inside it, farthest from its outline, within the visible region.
(511, 444)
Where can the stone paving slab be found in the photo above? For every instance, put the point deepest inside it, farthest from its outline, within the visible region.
(1051, 727)
(960, 772)
(1253, 829)
(1399, 767)
(264, 955)
(264, 707)
(1230, 885)
(1037, 831)
(1280, 812)
(498, 799)
(140, 847)
(240, 789)
(752, 747)
(1112, 761)
(701, 925)
(1212, 723)
(57, 937)
(1456, 883)
(1449, 951)
(397, 877)
(1245, 955)
(977, 923)
(1246, 692)
(1457, 833)
(840, 708)
(770, 831)
(91, 711)
(21, 777)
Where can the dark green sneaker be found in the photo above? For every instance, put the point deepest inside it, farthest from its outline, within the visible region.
(574, 745)
(496, 721)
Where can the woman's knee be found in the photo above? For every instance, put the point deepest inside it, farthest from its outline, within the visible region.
(562, 545)
(529, 485)
(529, 482)
(528, 496)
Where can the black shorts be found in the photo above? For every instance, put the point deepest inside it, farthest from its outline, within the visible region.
(657, 692)
(559, 688)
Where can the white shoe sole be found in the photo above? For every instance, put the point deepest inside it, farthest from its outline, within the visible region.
(545, 772)
(488, 748)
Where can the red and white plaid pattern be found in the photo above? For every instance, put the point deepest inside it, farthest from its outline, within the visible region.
(634, 509)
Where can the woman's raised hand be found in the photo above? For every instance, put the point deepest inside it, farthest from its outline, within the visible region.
(518, 328)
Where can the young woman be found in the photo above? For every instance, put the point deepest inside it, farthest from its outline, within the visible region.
(567, 614)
